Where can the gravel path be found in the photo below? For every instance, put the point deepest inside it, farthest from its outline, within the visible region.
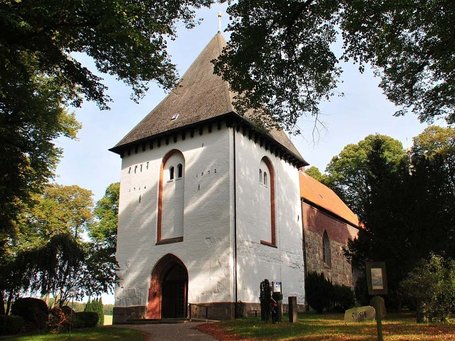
(170, 331)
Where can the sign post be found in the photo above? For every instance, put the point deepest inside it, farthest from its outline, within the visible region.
(377, 285)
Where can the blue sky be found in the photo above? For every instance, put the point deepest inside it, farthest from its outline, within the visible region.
(363, 110)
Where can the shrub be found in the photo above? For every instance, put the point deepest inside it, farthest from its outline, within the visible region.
(432, 287)
(96, 306)
(323, 295)
(318, 291)
(60, 318)
(361, 291)
(85, 319)
(10, 324)
(33, 310)
(342, 298)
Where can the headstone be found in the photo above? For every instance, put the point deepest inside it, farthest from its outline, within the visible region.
(360, 314)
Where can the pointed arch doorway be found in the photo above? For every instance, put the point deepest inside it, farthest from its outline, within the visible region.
(168, 293)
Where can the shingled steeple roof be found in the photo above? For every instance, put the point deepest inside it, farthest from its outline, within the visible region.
(199, 97)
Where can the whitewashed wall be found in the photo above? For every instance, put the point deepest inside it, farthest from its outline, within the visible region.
(206, 247)
(256, 261)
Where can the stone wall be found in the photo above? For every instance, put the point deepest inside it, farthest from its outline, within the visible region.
(315, 223)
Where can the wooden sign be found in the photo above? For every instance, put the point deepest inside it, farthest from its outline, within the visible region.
(376, 278)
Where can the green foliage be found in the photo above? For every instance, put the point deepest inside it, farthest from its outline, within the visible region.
(49, 256)
(317, 291)
(108, 309)
(315, 173)
(84, 319)
(279, 57)
(431, 285)
(96, 306)
(34, 312)
(10, 324)
(41, 75)
(281, 54)
(396, 193)
(361, 291)
(342, 298)
(322, 295)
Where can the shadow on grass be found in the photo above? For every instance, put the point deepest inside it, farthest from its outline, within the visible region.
(95, 334)
(331, 327)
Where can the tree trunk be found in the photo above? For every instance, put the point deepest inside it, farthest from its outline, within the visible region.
(2, 304)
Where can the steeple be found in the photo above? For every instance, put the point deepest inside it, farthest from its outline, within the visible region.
(200, 96)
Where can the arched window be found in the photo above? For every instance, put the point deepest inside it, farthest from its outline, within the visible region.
(326, 253)
(171, 173)
(266, 204)
(260, 175)
(171, 199)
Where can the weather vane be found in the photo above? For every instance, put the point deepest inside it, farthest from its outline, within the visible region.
(219, 21)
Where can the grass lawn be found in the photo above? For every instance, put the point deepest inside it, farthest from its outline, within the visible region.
(329, 327)
(107, 320)
(95, 334)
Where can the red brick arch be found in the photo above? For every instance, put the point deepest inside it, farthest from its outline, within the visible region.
(156, 302)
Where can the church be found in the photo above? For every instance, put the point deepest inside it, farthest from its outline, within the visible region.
(211, 204)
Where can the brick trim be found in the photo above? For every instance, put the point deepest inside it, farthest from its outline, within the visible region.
(160, 197)
(272, 242)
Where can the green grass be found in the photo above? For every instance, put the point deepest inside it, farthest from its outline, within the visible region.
(332, 327)
(92, 334)
(107, 320)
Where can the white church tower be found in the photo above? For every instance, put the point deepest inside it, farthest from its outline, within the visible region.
(209, 206)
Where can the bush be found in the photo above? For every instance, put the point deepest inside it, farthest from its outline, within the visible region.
(318, 291)
(85, 319)
(431, 285)
(10, 324)
(342, 298)
(96, 306)
(33, 310)
(60, 318)
(361, 291)
(322, 295)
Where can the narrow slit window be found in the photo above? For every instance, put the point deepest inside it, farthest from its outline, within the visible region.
(265, 178)
(260, 175)
(179, 170)
(171, 173)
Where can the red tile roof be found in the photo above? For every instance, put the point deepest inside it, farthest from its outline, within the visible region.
(320, 195)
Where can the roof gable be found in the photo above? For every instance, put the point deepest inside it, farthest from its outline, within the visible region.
(199, 96)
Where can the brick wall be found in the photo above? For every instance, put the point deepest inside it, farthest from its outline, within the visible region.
(315, 223)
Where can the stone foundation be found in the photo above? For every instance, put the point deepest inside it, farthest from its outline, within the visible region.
(208, 311)
(126, 314)
(212, 311)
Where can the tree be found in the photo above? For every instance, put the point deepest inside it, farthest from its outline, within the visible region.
(103, 229)
(315, 173)
(348, 172)
(281, 59)
(40, 75)
(431, 285)
(49, 255)
(404, 200)
(432, 184)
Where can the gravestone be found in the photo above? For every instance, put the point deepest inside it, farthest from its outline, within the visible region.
(360, 314)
